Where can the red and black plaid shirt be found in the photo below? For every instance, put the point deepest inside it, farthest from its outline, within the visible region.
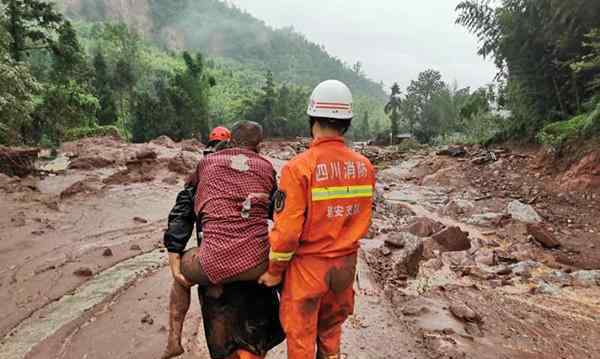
(234, 239)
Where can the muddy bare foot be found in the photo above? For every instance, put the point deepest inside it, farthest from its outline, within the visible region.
(174, 349)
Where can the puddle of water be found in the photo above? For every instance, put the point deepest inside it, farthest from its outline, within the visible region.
(36, 329)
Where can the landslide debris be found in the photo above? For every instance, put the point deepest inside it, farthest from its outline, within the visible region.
(484, 256)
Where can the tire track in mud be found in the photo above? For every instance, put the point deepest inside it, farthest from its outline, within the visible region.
(46, 321)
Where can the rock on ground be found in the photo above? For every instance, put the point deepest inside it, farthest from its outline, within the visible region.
(453, 239)
(406, 261)
(164, 141)
(399, 240)
(463, 312)
(146, 154)
(542, 235)
(77, 188)
(424, 227)
(523, 212)
(184, 163)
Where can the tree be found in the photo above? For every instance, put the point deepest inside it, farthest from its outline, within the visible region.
(178, 107)
(69, 62)
(31, 24)
(17, 91)
(364, 129)
(392, 109)
(420, 94)
(590, 63)
(358, 68)
(64, 106)
(269, 104)
(535, 45)
(107, 113)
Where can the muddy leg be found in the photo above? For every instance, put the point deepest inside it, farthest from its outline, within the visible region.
(178, 307)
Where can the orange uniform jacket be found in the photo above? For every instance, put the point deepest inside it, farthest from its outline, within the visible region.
(325, 204)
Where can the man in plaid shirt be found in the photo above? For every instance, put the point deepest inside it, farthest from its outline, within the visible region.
(232, 205)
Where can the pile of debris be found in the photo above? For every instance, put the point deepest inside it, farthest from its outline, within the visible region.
(16, 161)
(301, 144)
(379, 155)
(398, 255)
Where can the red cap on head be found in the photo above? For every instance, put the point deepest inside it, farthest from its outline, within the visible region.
(219, 134)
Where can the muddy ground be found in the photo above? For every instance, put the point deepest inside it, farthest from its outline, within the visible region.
(476, 256)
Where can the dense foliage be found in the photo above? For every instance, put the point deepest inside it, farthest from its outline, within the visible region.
(435, 112)
(88, 78)
(546, 52)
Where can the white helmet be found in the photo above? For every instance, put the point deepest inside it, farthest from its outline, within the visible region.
(331, 99)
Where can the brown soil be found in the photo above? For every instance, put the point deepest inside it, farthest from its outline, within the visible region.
(507, 296)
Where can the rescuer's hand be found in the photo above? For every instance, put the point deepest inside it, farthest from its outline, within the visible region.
(175, 264)
(181, 279)
(269, 280)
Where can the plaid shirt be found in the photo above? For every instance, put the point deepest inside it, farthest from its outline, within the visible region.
(232, 201)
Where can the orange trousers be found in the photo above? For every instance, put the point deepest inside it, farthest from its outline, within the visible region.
(242, 354)
(317, 298)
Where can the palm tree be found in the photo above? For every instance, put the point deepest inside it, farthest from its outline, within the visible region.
(392, 109)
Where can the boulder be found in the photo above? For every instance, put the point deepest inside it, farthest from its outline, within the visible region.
(546, 288)
(76, 188)
(457, 208)
(523, 212)
(146, 154)
(424, 227)
(452, 151)
(453, 239)
(406, 261)
(542, 235)
(399, 240)
(431, 248)
(164, 141)
(463, 312)
(184, 163)
(489, 219)
(523, 269)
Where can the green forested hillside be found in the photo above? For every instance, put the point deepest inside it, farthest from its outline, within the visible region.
(144, 68)
(221, 30)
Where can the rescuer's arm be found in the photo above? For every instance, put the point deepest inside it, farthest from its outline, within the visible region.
(291, 204)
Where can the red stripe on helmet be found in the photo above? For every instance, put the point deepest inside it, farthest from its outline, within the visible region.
(334, 104)
(333, 108)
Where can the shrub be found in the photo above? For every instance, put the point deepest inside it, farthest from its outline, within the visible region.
(73, 134)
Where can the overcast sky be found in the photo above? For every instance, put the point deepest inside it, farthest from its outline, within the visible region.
(394, 39)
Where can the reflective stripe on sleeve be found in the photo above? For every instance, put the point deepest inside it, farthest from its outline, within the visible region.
(281, 256)
(328, 193)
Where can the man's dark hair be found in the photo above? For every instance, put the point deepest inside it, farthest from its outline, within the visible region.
(340, 126)
(246, 134)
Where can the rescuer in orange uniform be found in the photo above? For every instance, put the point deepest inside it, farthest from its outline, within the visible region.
(323, 208)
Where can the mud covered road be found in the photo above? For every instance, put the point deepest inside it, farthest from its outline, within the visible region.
(453, 266)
